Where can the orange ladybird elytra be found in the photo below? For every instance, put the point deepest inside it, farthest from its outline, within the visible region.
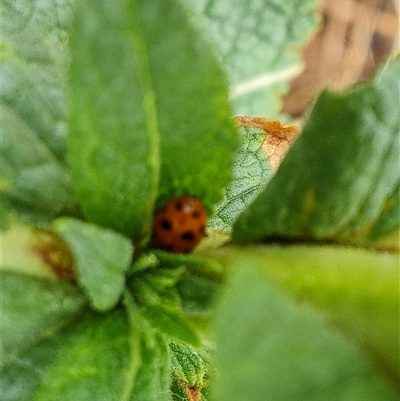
(180, 224)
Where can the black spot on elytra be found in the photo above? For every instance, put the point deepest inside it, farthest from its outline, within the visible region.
(187, 236)
(166, 225)
(178, 206)
(195, 215)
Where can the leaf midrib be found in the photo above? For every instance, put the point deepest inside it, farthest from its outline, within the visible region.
(139, 48)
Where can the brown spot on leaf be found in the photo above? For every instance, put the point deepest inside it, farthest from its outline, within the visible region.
(279, 137)
(193, 393)
(54, 252)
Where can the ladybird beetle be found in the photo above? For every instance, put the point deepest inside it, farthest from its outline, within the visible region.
(180, 224)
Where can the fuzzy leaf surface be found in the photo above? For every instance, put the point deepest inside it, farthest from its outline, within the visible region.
(270, 348)
(91, 363)
(326, 190)
(188, 364)
(35, 186)
(101, 259)
(21, 377)
(256, 41)
(251, 173)
(34, 63)
(31, 305)
(152, 382)
(63, 351)
(170, 322)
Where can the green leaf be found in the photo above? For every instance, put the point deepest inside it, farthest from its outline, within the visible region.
(190, 371)
(386, 225)
(33, 67)
(256, 41)
(188, 364)
(154, 287)
(251, 172)
(177, 391)
(199, 139)
(31, 306)
(34, 59)
(135, 113)
(195, 263)
(114, 140)
(161, 278)
(199, 283)
(89, 362)
(197, 295)
(102, 258)
(35, 185)
(21, 377)
(326, 190)
(4, 217)
(170, 322)
(153, 379)
(75, 354)
(270, 348)
(356, 290)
